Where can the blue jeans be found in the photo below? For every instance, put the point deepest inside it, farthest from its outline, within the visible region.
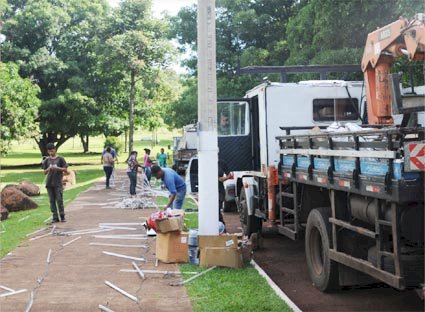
(108, 173)
(148, 172)
(178, 201)
(133, 181)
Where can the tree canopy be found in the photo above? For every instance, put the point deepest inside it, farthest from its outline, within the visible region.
(275, 32)
(19, 105)
(90, 62)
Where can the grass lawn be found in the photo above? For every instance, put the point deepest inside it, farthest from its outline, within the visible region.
(233, 290)
(23, 222)
(26, 152)
(25, 159)
(223, 289)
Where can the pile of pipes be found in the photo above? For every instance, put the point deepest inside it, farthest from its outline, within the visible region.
(136, 203)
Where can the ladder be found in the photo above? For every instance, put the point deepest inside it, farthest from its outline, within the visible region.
(289, 225)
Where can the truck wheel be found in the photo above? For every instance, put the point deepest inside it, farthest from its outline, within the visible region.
(250, 224)
(323, 271)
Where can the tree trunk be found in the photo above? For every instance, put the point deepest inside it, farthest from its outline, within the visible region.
(50, 138)
(131, 111)
(85, 142)
(125, 141)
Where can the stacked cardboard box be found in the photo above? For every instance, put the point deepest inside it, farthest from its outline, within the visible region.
(220, 250)
(172, 247)
(171, 242)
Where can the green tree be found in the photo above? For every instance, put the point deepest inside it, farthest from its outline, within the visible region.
(183, 110)
(19, 106)
(248, 33)
(55, 43)
(137, 49)
(335, 32)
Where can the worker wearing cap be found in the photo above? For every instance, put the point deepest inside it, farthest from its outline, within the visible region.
(54, 166)
(174, 184)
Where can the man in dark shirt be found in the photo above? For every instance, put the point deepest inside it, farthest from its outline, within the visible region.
(223, 175)
(54, 166)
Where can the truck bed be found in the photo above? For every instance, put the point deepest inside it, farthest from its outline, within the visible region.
(369, 162)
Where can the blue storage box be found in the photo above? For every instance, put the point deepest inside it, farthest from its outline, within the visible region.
(367, 167)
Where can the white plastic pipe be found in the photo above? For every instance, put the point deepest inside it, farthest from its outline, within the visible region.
(207, 117)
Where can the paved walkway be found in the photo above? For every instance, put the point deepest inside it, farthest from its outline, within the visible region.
(74, 279)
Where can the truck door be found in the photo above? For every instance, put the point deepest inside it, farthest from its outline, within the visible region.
(238, 137)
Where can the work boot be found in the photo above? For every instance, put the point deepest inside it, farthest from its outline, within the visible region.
(54, 220)
(63, 218)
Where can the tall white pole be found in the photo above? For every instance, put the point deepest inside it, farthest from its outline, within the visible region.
(207, 117)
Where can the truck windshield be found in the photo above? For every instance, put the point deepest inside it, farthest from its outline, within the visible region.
(232, 118)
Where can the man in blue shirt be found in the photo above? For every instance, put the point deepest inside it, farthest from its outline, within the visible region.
(174, 184)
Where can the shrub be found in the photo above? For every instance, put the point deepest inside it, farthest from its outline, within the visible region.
(114, 142)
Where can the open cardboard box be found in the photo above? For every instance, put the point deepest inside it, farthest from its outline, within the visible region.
(221, 256)
(228, 241)
(170, 224)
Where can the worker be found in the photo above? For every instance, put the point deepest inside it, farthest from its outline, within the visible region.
(108, 164)
(162, 159)
(224, 174)
(224, 126)
(115, 158)
(147, 164)
(132, 167)
(54, 166)
(174, 184)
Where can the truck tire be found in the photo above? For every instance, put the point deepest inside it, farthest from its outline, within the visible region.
(250, 224)
(323, 271)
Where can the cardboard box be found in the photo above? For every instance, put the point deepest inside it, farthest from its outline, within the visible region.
(172, 247)
(219, 256)
(170, 224)
(229, 241)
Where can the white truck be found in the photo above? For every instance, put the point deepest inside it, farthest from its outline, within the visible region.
(185, 148)
(289, 111)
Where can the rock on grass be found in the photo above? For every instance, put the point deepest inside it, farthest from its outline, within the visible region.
(15, 200)
(28, 188)
(4, 213)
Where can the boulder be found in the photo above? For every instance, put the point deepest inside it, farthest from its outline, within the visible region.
(69, 179)
(28, 188)
(4, 213)
(15, 200)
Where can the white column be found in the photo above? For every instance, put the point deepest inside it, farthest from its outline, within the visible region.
(207, 120)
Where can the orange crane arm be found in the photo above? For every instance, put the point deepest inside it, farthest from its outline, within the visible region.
(383, 46)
